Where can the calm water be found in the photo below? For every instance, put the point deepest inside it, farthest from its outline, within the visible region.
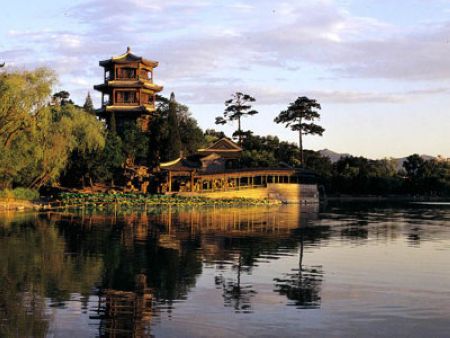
(347, 270)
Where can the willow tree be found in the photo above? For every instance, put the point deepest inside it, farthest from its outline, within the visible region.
(300, 116)
(235, 108)
(36, 139)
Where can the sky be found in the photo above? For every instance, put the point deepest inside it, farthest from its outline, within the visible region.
(379, 68)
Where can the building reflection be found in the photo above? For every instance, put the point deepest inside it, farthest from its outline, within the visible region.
(141, 263)
(152, 258)
(126, 313)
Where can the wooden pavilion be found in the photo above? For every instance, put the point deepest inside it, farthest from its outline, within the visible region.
(128, 90)
(217, 168)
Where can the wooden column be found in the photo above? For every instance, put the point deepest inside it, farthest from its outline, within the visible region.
(170, 182)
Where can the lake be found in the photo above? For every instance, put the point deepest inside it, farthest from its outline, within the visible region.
(341, 270)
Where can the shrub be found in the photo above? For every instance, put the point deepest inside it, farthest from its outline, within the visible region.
(20, 194)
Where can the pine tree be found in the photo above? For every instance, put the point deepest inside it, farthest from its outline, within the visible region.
(300, 116)
(235, 108)
(88, 105)
(174, 142)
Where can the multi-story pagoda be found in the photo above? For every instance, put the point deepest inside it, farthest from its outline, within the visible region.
(128, 91)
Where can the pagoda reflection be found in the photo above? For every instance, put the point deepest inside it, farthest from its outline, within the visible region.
(152, 258)
(126, 313)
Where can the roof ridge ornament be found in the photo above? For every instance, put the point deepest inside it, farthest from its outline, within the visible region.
(128, 49)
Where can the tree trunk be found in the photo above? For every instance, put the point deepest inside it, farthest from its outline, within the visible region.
(300, 143)
(239, 132)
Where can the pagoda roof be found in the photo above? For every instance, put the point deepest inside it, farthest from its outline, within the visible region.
(222, 145)
(129, 57)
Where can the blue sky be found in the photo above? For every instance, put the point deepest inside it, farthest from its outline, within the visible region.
(380, 69)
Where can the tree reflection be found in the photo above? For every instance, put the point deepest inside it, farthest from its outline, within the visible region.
(303, 285)
(34, 266)
(234, 293)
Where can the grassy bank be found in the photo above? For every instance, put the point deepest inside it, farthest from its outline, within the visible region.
(18, 199)
(19, 194)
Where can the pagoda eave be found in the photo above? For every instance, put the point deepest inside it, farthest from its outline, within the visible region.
(149, 63)
(142, 109)
(104, 87)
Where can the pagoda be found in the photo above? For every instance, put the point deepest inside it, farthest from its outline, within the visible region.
(128, 91)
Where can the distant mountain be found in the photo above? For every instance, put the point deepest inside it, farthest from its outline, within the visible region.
(332, 155)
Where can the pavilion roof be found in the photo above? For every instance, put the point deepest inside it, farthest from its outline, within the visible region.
(128, 57)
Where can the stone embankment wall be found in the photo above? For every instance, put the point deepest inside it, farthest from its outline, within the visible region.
(287, 192)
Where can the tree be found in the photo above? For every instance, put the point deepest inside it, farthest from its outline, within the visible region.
(23, 97)
(135, 143)
(174, 142)
(61, 98)
(414, 165)
(300, 116)
(235, 108)
(37, 140)
(88, 105)
(212, 136)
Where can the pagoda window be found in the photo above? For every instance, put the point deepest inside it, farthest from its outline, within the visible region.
(107, 75)
(126, 73)
(145, 75)
(126, 97)
(106, 100)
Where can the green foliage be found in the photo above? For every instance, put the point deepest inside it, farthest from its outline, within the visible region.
(36, 139)
(23, 96)
(235, 108)
(191, 135)
(23, 194)
(173, 146)
(88, 106)
(431, 177)
(131, 200)
(135, 143)
(300, 116)
(358, 175)
(322, 166)
(267, 150)
(100, 166)
(211, 136)
(62, 98)
(161, 138)
(258, 159)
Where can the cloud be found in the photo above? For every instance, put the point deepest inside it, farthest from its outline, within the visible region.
(265, 95)
(207, 47)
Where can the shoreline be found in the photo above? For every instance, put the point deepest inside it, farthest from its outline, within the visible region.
(102, 201)
(21, 205)
(387, 198)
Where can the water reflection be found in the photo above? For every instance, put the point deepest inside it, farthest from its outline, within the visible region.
(302, 286)
(126, 313)
(132, 268)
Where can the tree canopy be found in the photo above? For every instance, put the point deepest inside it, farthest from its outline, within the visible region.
(36, 138)
(235, 108)
(300, 116)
